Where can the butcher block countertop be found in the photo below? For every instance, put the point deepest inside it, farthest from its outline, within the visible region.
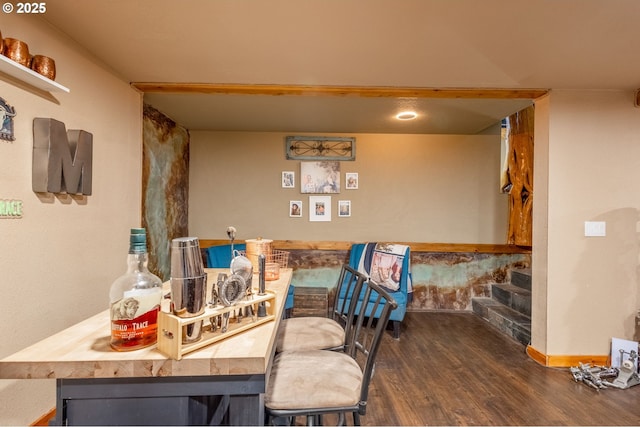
(83, 350)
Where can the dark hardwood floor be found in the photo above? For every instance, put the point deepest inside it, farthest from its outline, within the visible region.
(455, 369)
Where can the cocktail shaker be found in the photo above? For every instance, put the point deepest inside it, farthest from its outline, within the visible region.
(186, 258)
(188, 284)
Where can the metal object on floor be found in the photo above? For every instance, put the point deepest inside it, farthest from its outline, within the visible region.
(598, 376)
(627, 376)
(593, 376)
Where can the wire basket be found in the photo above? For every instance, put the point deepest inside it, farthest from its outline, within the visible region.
(276, 256)
(279, 257)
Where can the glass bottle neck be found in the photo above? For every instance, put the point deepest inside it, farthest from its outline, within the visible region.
(137, 261)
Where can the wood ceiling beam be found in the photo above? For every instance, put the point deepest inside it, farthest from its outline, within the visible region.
(371, 92)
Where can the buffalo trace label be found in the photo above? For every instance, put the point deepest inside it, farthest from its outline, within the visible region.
(134, 319)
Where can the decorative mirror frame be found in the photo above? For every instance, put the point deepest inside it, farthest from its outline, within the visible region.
(320, 148)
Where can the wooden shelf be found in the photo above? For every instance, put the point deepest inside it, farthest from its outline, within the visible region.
(28, 76)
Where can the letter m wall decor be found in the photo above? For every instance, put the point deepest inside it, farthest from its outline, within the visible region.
(62, 160)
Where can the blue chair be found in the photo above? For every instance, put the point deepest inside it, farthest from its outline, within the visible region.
(220, 257)
(402, 296)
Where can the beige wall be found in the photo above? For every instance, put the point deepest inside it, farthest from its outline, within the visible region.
(593, 175)
(59, 260)
(539, 256)
(417, 188)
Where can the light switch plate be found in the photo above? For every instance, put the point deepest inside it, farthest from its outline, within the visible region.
(595, 228)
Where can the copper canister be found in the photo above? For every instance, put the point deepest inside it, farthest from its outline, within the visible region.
(44, 66)
(257, 247)
(18, 51)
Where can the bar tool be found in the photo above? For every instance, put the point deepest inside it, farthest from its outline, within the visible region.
(231, 232)
(262, 308)
(231, 290)
(188, 284)
(240, 264)
(225, 322)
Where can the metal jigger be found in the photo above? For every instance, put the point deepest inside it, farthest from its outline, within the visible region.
(262, 308)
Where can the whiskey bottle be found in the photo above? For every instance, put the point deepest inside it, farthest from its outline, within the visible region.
(135, 299)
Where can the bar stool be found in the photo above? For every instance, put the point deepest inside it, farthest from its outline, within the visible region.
(313, 383)
(322, 333)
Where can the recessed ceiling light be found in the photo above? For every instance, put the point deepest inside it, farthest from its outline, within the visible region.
(406, 115)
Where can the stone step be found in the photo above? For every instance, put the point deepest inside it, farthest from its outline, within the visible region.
(507, 320)
(513, 297)
(521, 277)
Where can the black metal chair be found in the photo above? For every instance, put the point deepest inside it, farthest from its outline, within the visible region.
(322, 333)
(313, 383)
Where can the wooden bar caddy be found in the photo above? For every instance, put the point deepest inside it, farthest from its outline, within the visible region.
(170, 326)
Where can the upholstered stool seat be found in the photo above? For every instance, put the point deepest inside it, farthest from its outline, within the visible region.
(322, 333)
(294, 334)
(293, 385)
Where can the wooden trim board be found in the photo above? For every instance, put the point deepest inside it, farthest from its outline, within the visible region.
(361, 91)
(415, 246)
(45, 419)
(566, 361)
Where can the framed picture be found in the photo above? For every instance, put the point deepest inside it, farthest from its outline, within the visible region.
(319, 208)
(288, 179)
(352, 180)
(320, 177)
(6, 121)
(295, 208)
(344, 207)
